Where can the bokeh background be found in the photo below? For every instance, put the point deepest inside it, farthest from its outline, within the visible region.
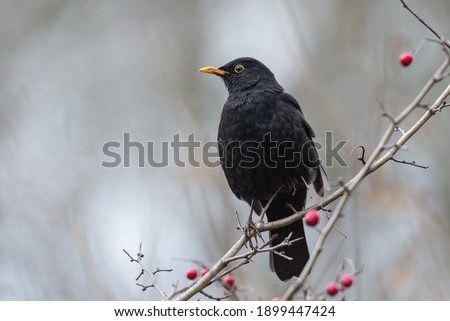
(77, 74)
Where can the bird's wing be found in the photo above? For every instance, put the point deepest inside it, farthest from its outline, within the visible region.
(288, 99)
(321, 181)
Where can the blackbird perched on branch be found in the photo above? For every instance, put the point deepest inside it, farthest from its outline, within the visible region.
(265, 146)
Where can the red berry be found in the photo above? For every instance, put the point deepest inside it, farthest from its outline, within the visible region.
(312, 218)
(276, 298)
(203, 272)
(347, 280)
(406, 59)
(332, 288)
(228, 281)
(191, 273)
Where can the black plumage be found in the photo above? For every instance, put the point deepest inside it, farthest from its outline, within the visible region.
(265, 144)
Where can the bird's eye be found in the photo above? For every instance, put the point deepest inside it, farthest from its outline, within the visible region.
(238, 69)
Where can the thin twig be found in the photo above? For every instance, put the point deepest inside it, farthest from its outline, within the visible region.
(423, 22)
(148, 272)
(176, 291)
(412, 163)
(145, 287)
(384, 112)
(215, 298)
(363, 153)
(269, 202)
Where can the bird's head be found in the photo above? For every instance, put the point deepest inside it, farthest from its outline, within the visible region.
(243, 74)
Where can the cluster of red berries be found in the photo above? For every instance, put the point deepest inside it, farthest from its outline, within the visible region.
(333, 288)
(228, 281)
(346, 281)
(192, 273)
(312, 218)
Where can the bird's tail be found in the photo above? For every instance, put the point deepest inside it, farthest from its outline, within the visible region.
(297, 251)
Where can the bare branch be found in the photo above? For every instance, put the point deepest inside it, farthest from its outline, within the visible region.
(145, 287)
(148, 272)
(215, 298)
(283, 255)
(413, 163)
(268, 203)
(363, 153)
(423, 22)
(131, 258)
(384, 112)
(176, 291)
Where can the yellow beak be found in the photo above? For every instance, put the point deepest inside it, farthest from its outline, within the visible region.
(213, 71)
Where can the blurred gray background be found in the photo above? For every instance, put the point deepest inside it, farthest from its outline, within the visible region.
(77, 74)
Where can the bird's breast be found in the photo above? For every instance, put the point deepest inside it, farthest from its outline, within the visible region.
(259, 147)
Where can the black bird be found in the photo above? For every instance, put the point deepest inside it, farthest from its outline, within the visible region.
(265, 145)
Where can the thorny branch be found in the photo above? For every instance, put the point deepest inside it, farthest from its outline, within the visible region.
(144, 270)
(175, 290)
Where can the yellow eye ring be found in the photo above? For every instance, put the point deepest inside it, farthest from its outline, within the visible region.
(238, 69)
